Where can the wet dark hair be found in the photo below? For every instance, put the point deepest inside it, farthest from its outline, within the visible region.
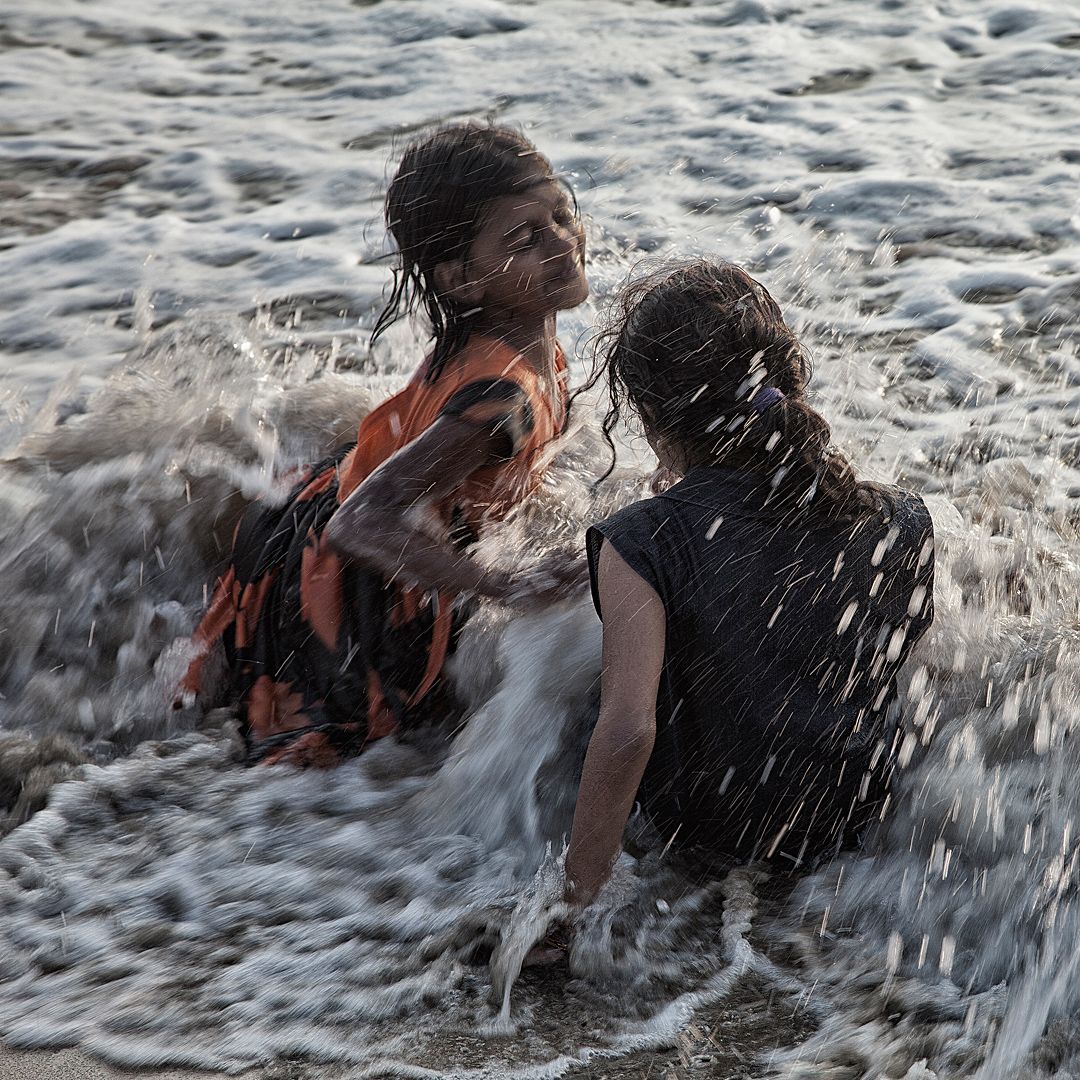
(701, 352)
(435, 206)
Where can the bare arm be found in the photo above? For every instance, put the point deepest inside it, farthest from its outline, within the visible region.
(635, 627)
(374, 524)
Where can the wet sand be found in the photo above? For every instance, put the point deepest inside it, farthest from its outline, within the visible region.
(733, 1039)
(74, 1065)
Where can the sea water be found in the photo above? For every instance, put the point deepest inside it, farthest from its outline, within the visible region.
(192, 259)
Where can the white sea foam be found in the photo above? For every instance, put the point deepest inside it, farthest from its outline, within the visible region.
(191, 234)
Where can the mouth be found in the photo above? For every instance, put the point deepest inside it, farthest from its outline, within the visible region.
(568, 276)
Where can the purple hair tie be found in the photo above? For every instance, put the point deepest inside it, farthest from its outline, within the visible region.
(766, 397)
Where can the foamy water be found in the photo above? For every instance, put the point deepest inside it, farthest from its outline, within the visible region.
(192, 258)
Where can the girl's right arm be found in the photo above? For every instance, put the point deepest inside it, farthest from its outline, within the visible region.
(377, 524)
(635, 629)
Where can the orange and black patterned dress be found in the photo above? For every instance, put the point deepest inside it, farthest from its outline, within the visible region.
(323, 654)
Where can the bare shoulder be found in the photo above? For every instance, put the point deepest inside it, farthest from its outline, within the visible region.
(635, 623)
(616, 577)
(620, 584)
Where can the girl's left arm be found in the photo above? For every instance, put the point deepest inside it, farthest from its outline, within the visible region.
(635, 629)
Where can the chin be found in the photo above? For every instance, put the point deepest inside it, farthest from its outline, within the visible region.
(574, 295)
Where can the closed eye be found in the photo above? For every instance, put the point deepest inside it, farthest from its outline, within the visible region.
(527, 240)
(564, 215)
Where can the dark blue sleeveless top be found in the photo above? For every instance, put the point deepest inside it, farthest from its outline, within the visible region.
(776, 711)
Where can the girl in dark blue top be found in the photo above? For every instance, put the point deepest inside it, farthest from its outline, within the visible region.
(756, 613)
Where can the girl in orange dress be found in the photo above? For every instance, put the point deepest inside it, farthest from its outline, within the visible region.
(338, 609)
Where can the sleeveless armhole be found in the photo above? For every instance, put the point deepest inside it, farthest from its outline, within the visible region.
(631, 538)
(907, 588)
(500, 404)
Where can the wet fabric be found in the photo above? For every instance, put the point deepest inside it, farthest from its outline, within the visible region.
(324, 655)
(776, 710)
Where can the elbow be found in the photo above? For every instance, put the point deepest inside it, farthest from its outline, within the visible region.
(639, 746)
(346, 531)
(630, 737)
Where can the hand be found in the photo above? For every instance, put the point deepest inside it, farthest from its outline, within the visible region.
(555, 945)
(662, 479)
(552, 948)
(556, 577)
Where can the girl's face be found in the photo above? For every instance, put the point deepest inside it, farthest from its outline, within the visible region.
(528, 258)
